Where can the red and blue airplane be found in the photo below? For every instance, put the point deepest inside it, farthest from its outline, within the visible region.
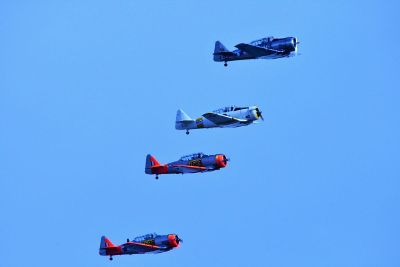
(147, 244)
(193, 163)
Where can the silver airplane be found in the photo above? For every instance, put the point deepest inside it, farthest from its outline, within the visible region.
(224, 117)
(265, 48)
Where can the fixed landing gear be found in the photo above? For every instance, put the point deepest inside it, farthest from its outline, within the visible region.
(111, 258)
(156, 177)
(187, 131)
(226, 64)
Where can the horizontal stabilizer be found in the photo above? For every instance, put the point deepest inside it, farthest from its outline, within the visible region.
(224, 53)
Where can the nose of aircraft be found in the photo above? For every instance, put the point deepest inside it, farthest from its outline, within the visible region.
(221, 161)
(295, 43)
(174, 240)
(258, 113)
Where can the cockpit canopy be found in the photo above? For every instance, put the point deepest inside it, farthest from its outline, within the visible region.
(228, 109)
(142, 238)
(262, 41)
(193, 156)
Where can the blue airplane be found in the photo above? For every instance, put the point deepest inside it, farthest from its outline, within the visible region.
(265, 48)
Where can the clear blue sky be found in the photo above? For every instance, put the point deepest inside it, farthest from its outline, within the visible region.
(88, 88)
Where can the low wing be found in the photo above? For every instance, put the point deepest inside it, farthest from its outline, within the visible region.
(142, 248)
(221, 119)
(257, 51)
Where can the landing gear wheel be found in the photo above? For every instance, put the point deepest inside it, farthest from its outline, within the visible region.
(226, 64)
(156, 177)
(111, 258)
(187, 131)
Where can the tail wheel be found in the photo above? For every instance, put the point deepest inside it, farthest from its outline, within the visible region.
(226, 64)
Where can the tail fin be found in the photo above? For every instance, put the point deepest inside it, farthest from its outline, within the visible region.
(219, 47)
(220, 51)
(104, 244)
(182, 120)
(150, 162)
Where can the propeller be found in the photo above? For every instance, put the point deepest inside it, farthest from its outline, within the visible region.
(295, 48)
(178, 240)
(226, 159)
(259, 114)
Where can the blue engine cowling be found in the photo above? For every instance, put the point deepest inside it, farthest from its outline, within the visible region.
(287, 44)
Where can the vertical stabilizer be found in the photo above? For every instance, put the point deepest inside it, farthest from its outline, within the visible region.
(104, 244)
(219, 47)
(150, 162)
(218, 51)
(182, 116)
(182, 120)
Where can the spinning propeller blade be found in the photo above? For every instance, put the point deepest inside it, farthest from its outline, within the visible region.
(226, 159)
(259, 113)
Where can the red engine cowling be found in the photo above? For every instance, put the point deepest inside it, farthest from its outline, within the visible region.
(221, 161)
(171, 240)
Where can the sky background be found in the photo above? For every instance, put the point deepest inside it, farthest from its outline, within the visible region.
(88, 88)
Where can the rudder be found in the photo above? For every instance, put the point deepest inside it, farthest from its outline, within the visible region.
(150, 162)
(182, 120)
(219, 51)
(104, 244)
(219, 47)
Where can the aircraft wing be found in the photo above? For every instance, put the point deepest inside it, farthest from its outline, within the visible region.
(141, 248)
(221, 119)
(256, 51)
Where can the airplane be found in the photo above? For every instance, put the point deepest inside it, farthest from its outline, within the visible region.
(265, 48)
(197, 162)
(224, 117)
(146, 244)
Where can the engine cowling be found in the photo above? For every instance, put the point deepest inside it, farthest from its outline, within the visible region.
(170, 240)
(221, 161)
(287, 44)
(254, 113)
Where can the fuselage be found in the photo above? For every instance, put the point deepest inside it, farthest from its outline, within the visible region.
(198, 163)
(247, 115)
(152, 245)
(274, 48)
(148, 244)
(193, 163)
